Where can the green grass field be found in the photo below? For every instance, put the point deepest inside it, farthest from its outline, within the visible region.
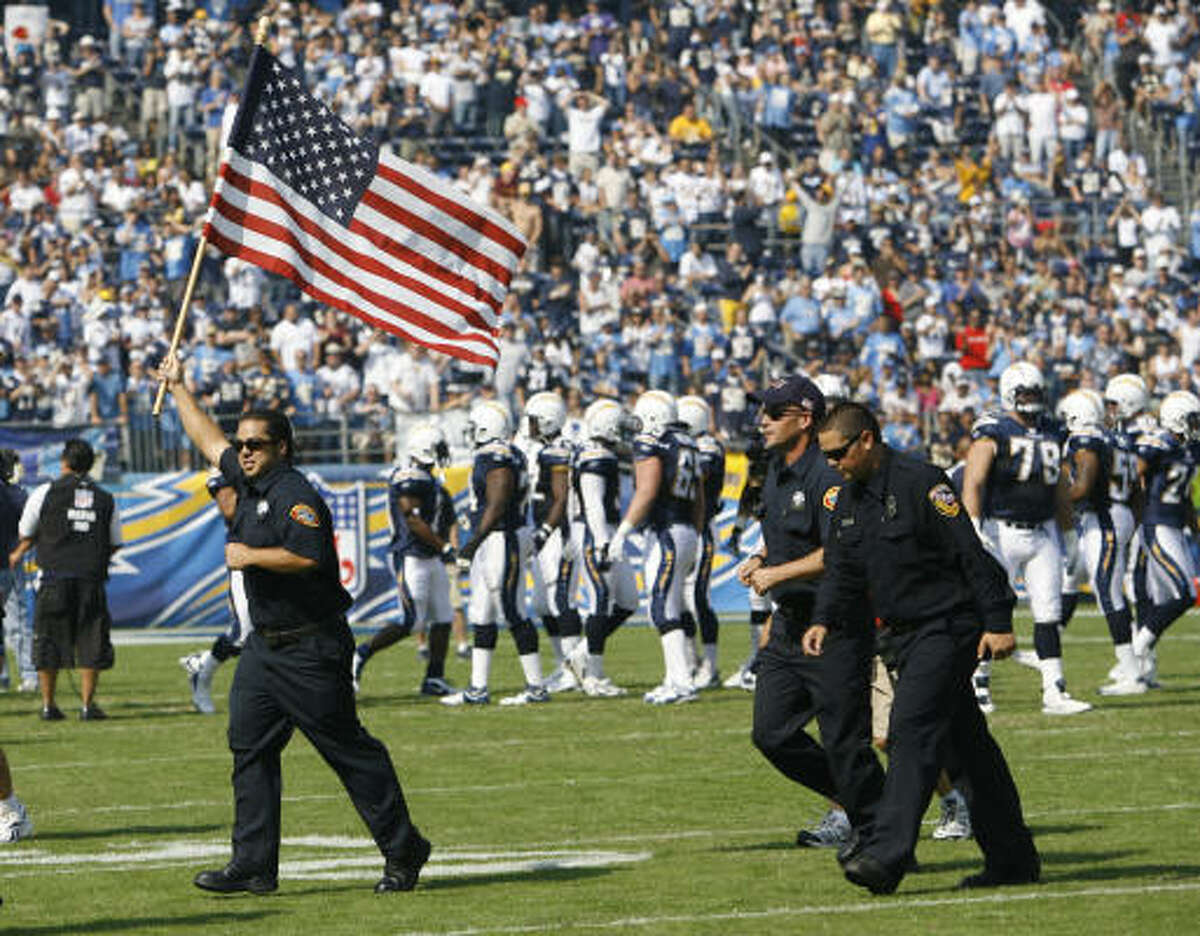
(589, 815)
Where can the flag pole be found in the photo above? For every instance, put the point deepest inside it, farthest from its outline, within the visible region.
(260, 37)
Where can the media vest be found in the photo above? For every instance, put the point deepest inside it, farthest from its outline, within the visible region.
(74, 531)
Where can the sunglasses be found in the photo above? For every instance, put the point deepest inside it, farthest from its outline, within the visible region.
(833, 456)
(780, 410)
(252, 445)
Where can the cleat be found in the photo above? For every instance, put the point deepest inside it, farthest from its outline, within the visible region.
(1148, 668)
(229, 880)
(1026, 658)
(527, 696)
(706, 677)
(833, 831)
(1123, 686)
(669, 694)
(602, 688)
(436, 686)
(742, 679)
(1008, 877)
(1116, 672)
(955, 821)
(468, 696)
(1058, 701)
(92, 712)
(561, 680)
(463, 651)
(15, 823)
(576, 662)
(401, 875)
(357, 662)
(51, 713)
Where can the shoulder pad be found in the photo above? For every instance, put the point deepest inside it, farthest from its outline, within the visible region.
(646, 446)
(988, 425)
(1156, 440)
(497, 449)
(710, 444)
(594, 454)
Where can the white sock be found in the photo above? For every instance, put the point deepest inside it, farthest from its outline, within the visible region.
(954, 796)
(208, 662)
(1143, 640)
(710, 655)
(569, 644)
(1052, 672)
(689, 655)
(556, 644)
(481, 667)
(1126, 660)
(674, 644)
(595, 665)
(531, 663)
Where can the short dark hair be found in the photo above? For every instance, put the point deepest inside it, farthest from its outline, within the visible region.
(852, 420)
(279, 428)
(78, 455)
(9, 459)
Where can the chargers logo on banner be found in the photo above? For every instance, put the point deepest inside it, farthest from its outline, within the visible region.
(348, 505)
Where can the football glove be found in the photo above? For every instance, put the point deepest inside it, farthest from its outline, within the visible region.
(448, 554)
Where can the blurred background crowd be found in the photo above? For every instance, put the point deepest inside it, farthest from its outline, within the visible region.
(911, 194)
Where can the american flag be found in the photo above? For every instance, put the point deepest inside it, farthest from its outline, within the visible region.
(300, 194)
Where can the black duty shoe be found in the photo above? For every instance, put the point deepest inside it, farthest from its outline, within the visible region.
(92, 713)
(400, 874)
(229, 880)
(1004, 877)
(867, 872)
(51, 713)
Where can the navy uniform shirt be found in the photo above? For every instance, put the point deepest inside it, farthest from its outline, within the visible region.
(1096, 442)
(902, 544)
(552, 457)
(1023, 479)
(602, 462)
(712, 469)
(412, 480)
(1170, 465)
(488, 458)
(680, 483)
(282, 509)
(797, 503)
(1124, 466)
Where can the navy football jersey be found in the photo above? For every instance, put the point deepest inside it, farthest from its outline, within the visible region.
(712, 469)
(444, 513)
(1170, 465)
(1123, 475)
(413, 481)
(680, 483)
(551, 457)
(488, 458)
(1099, 497)
(1024, 476)
(595, 460)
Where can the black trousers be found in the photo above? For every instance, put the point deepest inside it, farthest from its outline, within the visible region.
(792, 689)
(305, 685)
(935, 713)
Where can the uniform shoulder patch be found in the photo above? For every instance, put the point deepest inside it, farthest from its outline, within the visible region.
(305, 515)
(944, 500)
(831, 496)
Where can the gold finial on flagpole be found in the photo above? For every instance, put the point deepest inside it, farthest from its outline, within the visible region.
(264, 28)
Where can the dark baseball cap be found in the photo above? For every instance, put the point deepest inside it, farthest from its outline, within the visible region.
(797, 390)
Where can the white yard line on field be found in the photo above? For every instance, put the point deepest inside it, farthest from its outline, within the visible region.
(871, 907)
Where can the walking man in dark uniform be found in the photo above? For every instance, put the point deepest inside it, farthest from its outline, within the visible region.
(73, 524)
(798, 497)
(901, 544)
(294, 671)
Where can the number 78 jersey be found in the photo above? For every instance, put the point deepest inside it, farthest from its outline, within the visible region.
(1024, 475)
(680, 482)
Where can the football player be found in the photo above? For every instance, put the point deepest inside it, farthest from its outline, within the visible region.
(498, 488)
(668, 499)
(202, 665)
(607, 575)
(421, 517)
(1167, 460)
(547, 544)
(695, 414)
(1013, 476)
(749, 511)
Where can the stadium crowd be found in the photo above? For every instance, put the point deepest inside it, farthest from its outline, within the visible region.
(906, 194)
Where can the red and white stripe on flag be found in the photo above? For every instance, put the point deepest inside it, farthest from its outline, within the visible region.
(416, 258)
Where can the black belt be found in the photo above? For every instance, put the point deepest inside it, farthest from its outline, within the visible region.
(282, 638)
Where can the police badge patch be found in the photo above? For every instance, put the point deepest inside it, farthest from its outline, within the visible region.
(830, 498)
(798, 500)
(944, 501)
(304, 515)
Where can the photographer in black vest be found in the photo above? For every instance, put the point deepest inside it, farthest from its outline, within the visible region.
(74, 526)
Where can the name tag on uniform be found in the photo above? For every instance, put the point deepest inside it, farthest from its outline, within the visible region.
(847, 521)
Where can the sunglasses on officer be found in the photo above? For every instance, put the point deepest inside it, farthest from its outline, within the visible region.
(251, 445)
(780, 410)
(835, 455)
